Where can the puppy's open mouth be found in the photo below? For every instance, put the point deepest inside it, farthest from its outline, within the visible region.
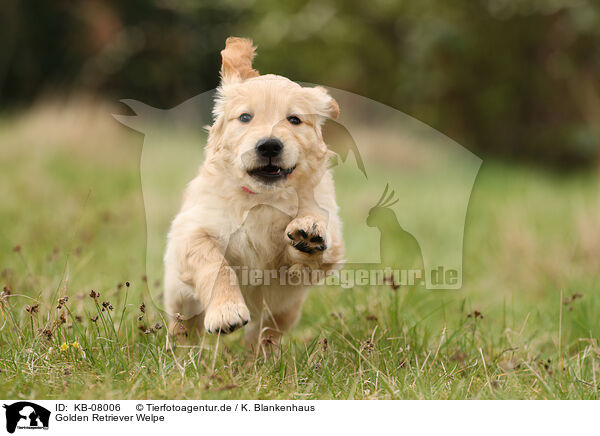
(271, 173)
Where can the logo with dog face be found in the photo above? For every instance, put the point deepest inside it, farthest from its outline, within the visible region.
(26, 415)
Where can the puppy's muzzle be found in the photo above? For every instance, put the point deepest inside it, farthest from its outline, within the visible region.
(269, 151)
(269, 148)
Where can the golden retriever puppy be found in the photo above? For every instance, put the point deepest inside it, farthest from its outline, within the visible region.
(263, 203)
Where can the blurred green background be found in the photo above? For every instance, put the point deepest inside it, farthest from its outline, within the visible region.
(516, 82)
(516, 79)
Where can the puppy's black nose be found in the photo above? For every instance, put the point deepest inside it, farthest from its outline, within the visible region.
(269, 147)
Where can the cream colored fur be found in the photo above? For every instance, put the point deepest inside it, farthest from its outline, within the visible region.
(221, 225)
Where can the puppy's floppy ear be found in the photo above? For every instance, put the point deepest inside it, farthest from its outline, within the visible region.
(324, 104)
(237, 60)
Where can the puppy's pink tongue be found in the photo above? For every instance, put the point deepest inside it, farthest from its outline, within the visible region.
(277, 171)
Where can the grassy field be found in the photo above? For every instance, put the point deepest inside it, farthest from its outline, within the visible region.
(524, 325)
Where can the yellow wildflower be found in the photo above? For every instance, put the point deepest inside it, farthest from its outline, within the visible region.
(76, 345)
(64, 346)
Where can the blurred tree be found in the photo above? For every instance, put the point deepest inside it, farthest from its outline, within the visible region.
(159, 51)
(515, 78)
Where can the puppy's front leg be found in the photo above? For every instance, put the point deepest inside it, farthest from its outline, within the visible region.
(314, 237)
(308, 239)
(216, 286)
(307, 234)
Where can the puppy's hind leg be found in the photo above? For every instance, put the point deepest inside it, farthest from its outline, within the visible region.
(266, 332)
(192, 328)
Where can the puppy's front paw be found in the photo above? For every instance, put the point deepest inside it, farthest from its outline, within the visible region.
(226, 317)
(307, 234)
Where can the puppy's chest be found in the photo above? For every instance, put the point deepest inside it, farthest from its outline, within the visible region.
(259, 242)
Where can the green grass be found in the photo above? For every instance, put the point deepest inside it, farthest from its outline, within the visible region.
(72, 202)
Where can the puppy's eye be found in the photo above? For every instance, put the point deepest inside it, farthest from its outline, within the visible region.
(245, 118)
(294, 119)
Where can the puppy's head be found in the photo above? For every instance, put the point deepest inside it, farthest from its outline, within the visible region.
(267, 129)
